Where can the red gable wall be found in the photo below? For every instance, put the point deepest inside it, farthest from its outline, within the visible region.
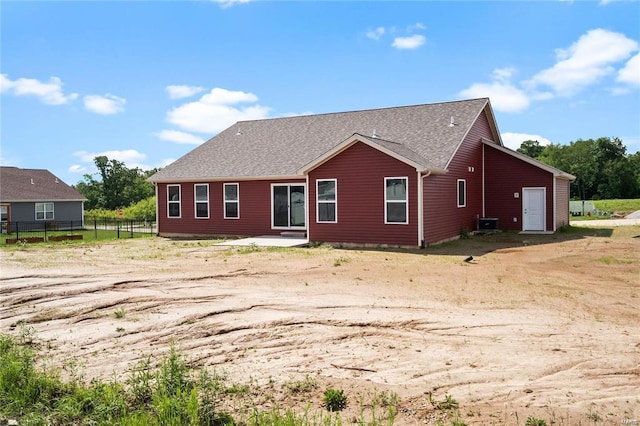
(506, 176)
(360, 171)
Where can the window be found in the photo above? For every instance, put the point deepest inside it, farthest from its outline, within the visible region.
(44, 211)
(396, 200)
(201, 196)
(327, 201)
(231, 201)
(173, 200)
(462, 193)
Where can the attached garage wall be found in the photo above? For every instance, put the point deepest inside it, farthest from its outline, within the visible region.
(562, 203)
(360, 171)
(254, 204)
(443, 218)
(505, 176)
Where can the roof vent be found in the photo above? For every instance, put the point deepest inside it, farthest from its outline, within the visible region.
(373, 135)
(238, 133)
(32, 182)
(452, 122)
(57, 181)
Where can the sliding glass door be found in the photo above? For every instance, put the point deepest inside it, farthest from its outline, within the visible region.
(288, 206)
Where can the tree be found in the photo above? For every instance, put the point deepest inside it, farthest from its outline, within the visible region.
(531, 148)
(118, 186)
(601, 167)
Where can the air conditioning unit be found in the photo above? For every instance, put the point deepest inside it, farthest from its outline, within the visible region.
(488, 223)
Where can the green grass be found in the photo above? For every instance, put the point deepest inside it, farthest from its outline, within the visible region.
(87, 235)
(617, 205)
(622, 207)
(171, 393)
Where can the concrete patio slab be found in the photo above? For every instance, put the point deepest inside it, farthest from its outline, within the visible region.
(267, 241)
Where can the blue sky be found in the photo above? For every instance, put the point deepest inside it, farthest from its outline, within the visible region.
(144, 82)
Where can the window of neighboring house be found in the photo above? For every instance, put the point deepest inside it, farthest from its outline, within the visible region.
(396, 200)
(44, 211)
(327, 201)
(201, 196)
(462, 193)
(173, 200)
(231, 201)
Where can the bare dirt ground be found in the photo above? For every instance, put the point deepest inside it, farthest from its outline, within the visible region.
(536, 325)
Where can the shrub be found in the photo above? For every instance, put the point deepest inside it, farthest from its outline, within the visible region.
(532, 421)
(334, 400)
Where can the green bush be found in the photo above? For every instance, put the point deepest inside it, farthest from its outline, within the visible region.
(334, 400)
(532, 421)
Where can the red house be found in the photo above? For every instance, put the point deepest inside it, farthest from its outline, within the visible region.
(404, 177)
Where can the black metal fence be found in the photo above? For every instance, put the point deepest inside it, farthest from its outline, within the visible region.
(94, 229)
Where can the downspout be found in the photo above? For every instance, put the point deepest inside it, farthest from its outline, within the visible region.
(484, 213)
(555, 204)
(421, 242)
(306, 211)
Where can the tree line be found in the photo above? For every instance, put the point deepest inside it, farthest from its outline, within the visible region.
(117, 187)
(602, 167)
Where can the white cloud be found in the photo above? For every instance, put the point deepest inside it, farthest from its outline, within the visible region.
(631, 72)
(125, 156)
(219, 96)
(107, 104)
(514, 140)
(376, 34)
(215, 111)
(130, 157)
(504, 96)
(49, 93)
(77, 169)
(177, 92)
(179, 137)
(585, 62)
(228, 3)
(418, 26)
(411, 42)
(503, 74)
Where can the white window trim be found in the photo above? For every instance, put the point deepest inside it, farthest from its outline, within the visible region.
(406, 201)
(225, 201)
(45, 211)
(195, 201)
(179, 202)
(334, 201)
(458, 192)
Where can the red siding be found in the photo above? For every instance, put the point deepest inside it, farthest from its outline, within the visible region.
(255, 210)
(562, 203)
(506, 176)
(360, 171)
(443, 218)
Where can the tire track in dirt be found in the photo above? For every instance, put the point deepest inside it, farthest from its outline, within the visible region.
(519, 331)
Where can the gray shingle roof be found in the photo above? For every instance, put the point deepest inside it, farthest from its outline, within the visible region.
(34, 185)
(282, 146)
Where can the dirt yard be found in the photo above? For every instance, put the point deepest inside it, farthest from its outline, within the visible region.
(535, 325)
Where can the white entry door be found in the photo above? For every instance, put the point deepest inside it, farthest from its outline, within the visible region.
(533, 209)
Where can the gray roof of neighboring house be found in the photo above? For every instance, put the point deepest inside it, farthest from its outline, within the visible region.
(282, 146)
(34, 185)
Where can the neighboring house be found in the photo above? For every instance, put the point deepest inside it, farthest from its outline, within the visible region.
(405, 176)
(36, 196)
